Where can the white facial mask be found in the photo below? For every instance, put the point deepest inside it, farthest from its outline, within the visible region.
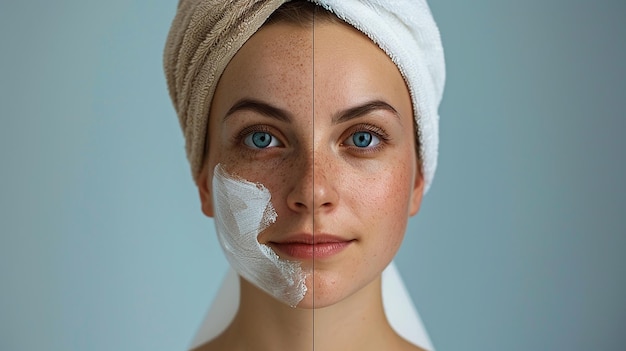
(242, 211)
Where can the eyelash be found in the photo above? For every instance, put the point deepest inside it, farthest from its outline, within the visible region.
(370, 128)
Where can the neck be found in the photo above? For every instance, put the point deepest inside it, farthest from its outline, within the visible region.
(357, 322)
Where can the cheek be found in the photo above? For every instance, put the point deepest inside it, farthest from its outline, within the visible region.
(274, 173)
(383, 203)
(388, 192)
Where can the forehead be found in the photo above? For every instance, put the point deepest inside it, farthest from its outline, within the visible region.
(276, 60)
(290, 65)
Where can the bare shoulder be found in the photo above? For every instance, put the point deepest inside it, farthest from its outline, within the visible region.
(216, 344)
(407, 346)
(411, 347)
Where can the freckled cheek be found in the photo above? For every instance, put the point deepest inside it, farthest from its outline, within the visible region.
(274, 173)
(273, 178)
(388, 193)
(240, 162)
(385, 200)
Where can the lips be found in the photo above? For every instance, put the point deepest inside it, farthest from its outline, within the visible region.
(307, 246)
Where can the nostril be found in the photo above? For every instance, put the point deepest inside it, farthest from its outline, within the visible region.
(325, 204)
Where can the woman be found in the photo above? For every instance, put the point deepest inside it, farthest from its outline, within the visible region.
(311, 148)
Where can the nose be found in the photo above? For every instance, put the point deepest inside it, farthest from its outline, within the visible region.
(313, 187)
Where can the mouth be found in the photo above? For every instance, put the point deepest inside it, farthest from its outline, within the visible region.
(307, 246)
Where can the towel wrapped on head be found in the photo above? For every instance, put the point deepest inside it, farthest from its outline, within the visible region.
(206, 34)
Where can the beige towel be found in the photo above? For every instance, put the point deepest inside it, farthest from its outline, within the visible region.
(204, 37)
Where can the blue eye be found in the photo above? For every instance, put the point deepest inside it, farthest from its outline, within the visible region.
(260, 140)
(363, 139)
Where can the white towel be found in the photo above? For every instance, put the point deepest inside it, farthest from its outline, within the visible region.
(407, 32)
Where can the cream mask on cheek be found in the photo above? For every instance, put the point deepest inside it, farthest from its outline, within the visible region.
(242, 211)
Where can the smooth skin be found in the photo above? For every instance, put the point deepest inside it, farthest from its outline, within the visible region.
(322, 118)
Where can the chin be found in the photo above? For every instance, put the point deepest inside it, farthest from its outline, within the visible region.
(325, 288)
(318, 300)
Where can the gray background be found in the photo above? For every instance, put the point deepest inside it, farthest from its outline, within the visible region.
(519, 245)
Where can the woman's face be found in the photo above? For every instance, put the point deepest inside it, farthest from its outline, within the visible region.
(325, 122)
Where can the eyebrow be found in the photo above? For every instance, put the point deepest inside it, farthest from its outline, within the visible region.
(364, 109)
(268, 110)
(261, 107)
